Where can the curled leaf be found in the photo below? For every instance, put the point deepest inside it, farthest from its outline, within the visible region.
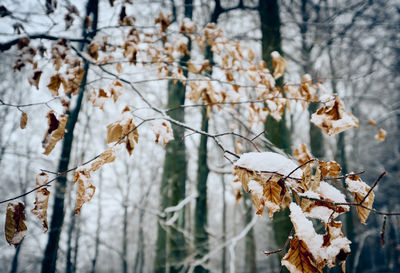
(15, 227)
(360, 189)
(55, 132)
(34, 80)
(162, 128)
(278, 64)
(302, 154)
(41, 200)
(381, 136)
(85, 188)
(332, 119)
(23, 121)
(107, 157)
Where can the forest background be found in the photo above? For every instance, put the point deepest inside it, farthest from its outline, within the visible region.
(166, 208)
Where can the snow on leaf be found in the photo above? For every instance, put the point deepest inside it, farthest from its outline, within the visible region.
(23, 121)
(323, 210)
(325, 249)
(15, 227)
(278, 64)
(269, 162)
(381, 136)
(86, 188)
(162, 128)
(123, 130)
(332, 119)
(331, 168)
(261, 175)
(55, 131)
(107, 157)
(302, 154)
(360, 189)
(41, 200)
(299, 259)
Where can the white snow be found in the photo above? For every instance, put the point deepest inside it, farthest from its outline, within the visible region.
(255, 188)
(357, 186)
(329, 192)
(269, 162)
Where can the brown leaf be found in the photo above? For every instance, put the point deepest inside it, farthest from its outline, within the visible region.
(107, 157)
(272, 195)
(124, 131)
(360, 189)
(331, 168)
(381, 136)
(15, 227)
(302, 154)
(41, 200)
(278, 64)
(54, 85)
(34, 80)
(23, 121)
(371, 122)
(86, 188)
(94, 50)
(119, 68)
(299, 259)
(55, 132)
(332, 119)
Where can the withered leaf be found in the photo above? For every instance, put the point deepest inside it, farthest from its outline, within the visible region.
(55, 131)
(299, 259)
(272, 195)
(86, 188)
(41, 200)
(34, 80)
(332, 119)
(107, 157)
(23, 121)
(15, 227)
(278, 64)
(123, 131)
(331, 168)
(163, 129)
(55, 83)
(381, 136)
(302, 154)
(360, 189)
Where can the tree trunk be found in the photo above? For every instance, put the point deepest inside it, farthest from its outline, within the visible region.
(250, 252)
(223, 265)
(50, 255)
(14, 265)
(171, 246)
(98, 229)
(277, 132)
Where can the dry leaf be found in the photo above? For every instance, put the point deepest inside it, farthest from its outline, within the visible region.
(23, 121)
(54, 85)
(123, 131)
(302, 154)
(331, 168)
(41, 200)
(381, 136)
(371, 122)
(119, 68)
(278, 64)
(299, 259)
(85, 188)
(34, 80)
(360, 189)
(332, 119)
(107, 157)
(162, 128)
(15, 227)
(272, 195)
(55, 131)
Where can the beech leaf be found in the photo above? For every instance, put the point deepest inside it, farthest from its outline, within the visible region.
(55, 131)
(86, 188)
(107, 157)
(41, 200)
(15, 227)
(360, 189)
(23, 121)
